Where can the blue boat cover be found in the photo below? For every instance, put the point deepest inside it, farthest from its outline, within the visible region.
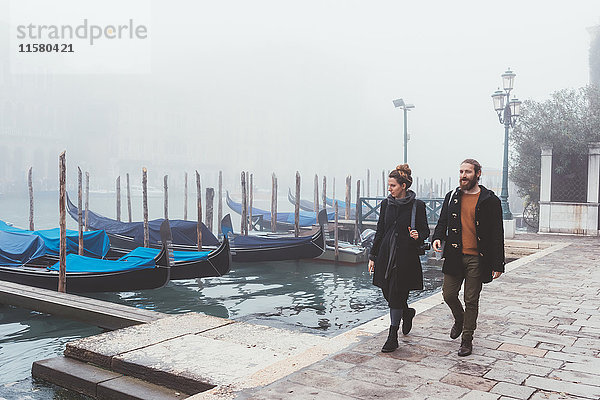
(77, 263)
(306, 218)
(144, 252)
(265, 241)
(17, 248)
(95, 243)
(184, 232)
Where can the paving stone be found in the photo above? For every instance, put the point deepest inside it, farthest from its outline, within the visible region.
(577, 377)
(549, 338)
(542, 362)
(506, 375)
(515, 348)
(470, 369)
(550, 346)
(332, 367)
(479, 395)
(352, 358)
(385, 362)
(420, 370)
(289, 390)
(553, 385)
(544, 395)
(469, 381)
(446, 362)
(514, 341)
(512, 390)
(385, 378)
(524, 368)
(441, 391)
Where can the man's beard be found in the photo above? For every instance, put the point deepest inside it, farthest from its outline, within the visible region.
(469, 184)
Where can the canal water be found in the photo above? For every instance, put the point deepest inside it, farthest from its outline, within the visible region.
(310, 296)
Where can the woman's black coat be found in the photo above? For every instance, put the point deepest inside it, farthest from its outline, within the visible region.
(488, 227)
(396, 219)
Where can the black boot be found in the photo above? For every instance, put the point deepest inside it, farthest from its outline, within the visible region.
(456, 329)
(391, 343)
(407, 318)
(466, 347)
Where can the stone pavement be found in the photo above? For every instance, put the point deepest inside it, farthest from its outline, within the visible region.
(538, 337)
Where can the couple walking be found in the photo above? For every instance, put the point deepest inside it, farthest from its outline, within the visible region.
(469, 232)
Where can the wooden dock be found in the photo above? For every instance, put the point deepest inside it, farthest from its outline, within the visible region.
(90, 311)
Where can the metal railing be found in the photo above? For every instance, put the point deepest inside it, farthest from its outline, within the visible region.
(369, 209)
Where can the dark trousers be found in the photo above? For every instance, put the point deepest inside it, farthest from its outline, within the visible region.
(473, 285)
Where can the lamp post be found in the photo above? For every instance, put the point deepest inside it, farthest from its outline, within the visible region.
(508, 112)
(399, 103)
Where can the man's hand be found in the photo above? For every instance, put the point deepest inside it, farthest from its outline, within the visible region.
(371, 266)
(496, 274)
(437, 245)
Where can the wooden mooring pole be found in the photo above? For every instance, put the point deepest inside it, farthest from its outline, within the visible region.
(79, 212)
(368, 182)
(166, 193)
(199, 207)
(128, 198)
(62, 202)
(324, 192)
(87, 201)
(220, 203)
(316, 194)
(297, 207)
(251, 227)
(118, 198)
(145, 205)
(210, 198)
(185, 195)
(30, 185)
(335, 233)
(273, 202)
(357, 214)
(348, 196)
(244, 224)
(383, 182)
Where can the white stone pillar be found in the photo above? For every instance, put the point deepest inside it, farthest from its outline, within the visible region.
(546, 173)
(593, 192)
(593, 172)
(545, 189)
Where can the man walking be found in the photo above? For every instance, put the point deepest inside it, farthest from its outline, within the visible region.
(471, 225)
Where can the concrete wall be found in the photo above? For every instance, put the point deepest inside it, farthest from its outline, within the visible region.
(571, 218)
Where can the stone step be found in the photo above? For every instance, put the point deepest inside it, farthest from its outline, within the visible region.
(91, 311)
(99, 383)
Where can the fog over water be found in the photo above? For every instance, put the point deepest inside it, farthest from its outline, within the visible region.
(271, 86)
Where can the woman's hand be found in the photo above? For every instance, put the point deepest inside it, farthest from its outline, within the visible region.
(413, 233)
(437, 245)
(371, 266)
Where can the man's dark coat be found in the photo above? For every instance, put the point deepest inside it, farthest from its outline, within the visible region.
(489, 230)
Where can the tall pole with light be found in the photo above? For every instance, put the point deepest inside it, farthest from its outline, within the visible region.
(508, 112)
(399, 103)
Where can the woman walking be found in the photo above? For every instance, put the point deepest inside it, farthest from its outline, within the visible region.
(394, 258)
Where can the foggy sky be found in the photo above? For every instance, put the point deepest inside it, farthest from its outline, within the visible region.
(313, 81)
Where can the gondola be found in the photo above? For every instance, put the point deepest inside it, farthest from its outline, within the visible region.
(255, 248)
(83, 274)
(285, 220)
(188, 262)
(124, 237)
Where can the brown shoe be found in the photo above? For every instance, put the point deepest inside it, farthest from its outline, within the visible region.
(456, 329)
(466, 347)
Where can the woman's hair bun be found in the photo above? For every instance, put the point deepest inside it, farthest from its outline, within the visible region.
(404, 168)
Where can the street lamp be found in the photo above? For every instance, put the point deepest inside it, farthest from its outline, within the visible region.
(508, 112)
(399, 103)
